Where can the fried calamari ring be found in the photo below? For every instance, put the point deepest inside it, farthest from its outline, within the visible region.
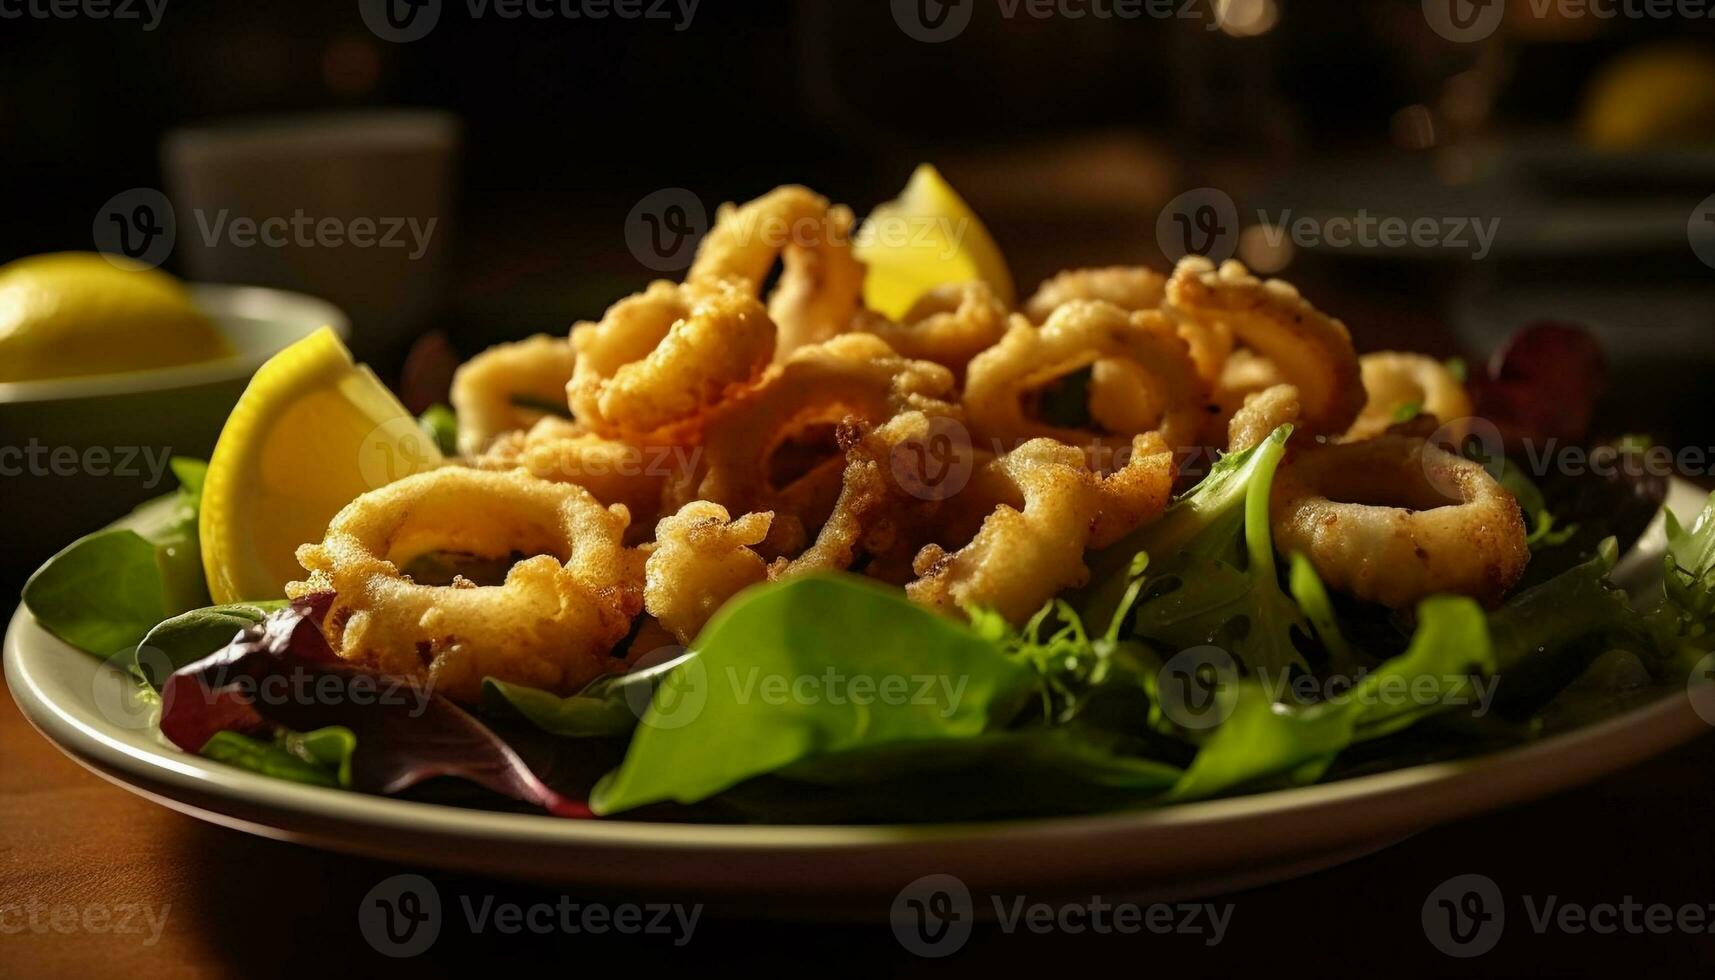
(822, 278)
(1131, 288)
(667, 355)
(1263, 412)
(505, 388)
(1021, 556)
(749, 442)
(949, 325)
(702, 558)
(1311, 350)
(1395, 519)
(1396, 382)
(1154, 385)
(551, 625)
(614, 472)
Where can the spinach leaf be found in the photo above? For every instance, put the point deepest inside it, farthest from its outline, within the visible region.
(318, 758)
(106, 591)
(794, 670)
(189, 637)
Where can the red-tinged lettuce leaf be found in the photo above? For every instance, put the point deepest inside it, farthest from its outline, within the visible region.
(1543, 384)
(281, 674)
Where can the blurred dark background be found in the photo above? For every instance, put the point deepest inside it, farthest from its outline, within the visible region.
(1589, 139)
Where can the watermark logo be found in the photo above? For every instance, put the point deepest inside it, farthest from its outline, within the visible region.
(933, 21)
(1701, 691)
(1202, 221)
(1475, 439)
(1471, 234)
(1194, 687)
(1464, 21)
(935, 465)
(147, 12)
(32, 915)
(393, 450)
(1464, 916)
(401, 917)
(116, 696)
(138, 225)
(400, 21)
(663, 229)
(37, 460)
(1700, 230)
(677, 696)
(932, 916)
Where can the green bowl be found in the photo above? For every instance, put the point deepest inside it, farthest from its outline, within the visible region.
(78, 453)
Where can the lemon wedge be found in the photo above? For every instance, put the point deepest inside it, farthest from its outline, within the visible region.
(313, 432)
(72, 314)
(926, 237)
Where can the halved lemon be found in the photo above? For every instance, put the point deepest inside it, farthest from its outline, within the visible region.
(313, 432)
(71, 314)
(926, 237)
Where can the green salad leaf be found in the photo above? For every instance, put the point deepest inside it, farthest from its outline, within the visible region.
(318, 758)
(1263, 738)
(188, 637)
(441, 424)
(1212, 577)
(809, 667)
(106, 591)
(609, 707)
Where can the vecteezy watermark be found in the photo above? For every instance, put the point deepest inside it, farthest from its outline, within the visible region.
(137, 224)
(403, 21)
(1201, 221)
(1468, 21)
(935, 21)
(1464, 21)
(34, 459)
(141, 225)
(294, 687)
(32, 915)
(145, 12)
(1465, 915)
(403, 917)
(663, 229)
(936, 463)
(1458, 233)
(933, 917)
(1700, 230)
(1196, 689)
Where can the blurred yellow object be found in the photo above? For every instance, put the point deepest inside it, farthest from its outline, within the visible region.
(73, 314)
(313, 432)
(927, 237)
(1652, 97)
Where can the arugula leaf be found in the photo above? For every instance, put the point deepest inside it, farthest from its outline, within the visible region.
(1212, 576)
(106, 591)
(1037, 772)
(1407, 412)
(1312, 597)
(793, 670)
(1543, 533)
(189, 637)
(1263, 739)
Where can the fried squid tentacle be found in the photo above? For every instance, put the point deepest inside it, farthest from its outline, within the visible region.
(702, 557)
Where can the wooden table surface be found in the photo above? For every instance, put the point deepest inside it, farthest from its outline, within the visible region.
(81, 858)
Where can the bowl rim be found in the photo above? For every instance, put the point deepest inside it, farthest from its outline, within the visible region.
(219, 300)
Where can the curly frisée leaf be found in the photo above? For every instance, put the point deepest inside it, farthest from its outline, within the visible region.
(790, 671)
(1212, 576)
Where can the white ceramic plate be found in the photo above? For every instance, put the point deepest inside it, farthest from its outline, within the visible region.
(1178, 852)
